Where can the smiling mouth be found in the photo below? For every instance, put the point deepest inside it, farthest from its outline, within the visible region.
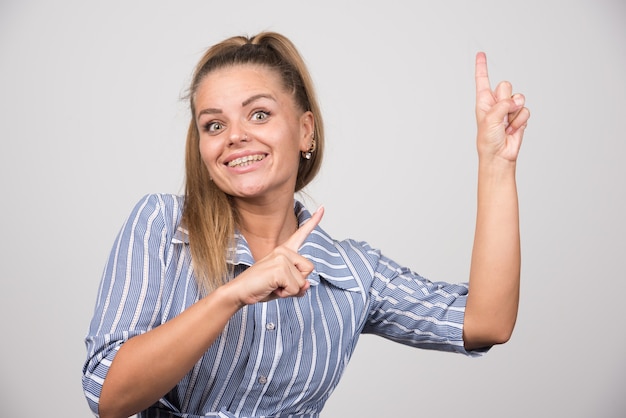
(244, 161)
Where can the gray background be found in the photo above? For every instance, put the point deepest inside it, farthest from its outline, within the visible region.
(91, 120)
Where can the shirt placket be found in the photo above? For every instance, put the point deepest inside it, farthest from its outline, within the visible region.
(266, 351)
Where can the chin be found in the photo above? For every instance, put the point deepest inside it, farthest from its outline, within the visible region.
(248, 192)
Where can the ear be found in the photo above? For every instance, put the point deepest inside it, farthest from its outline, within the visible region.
(307, 128)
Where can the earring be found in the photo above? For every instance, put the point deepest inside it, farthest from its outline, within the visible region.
(308, 154)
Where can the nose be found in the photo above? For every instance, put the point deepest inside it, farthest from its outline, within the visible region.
(238, 136)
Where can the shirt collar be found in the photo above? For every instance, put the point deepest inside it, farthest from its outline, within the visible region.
(318, 247)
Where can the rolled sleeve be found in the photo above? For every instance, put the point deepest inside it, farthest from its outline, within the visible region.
(130, 292)
(412, 310)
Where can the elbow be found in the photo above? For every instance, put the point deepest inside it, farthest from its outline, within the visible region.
(110, 406)
(502, 336)
(474, 342)
(502, 332)
(487, 334)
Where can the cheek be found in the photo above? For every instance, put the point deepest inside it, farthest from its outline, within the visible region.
(208, 153)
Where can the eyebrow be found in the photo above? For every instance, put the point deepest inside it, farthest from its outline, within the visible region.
(212, 110)
(257, 97)
(209, 111)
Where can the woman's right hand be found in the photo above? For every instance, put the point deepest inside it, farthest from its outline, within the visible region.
(149, 365)
(282, 273)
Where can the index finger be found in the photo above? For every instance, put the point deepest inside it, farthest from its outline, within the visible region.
(482, 76)
(297, 239)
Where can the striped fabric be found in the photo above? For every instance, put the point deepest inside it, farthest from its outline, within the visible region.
(277, 359)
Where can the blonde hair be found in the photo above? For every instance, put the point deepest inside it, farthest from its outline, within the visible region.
(208, 213)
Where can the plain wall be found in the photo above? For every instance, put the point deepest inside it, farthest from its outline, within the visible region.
(91, 120)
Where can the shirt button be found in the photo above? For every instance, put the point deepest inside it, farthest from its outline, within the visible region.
(270, 326)
(262, 380)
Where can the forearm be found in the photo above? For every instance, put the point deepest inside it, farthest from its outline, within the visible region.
(149, 365)
(493, 298)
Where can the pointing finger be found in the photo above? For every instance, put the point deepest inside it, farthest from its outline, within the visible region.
(295, 241)
(482, 76)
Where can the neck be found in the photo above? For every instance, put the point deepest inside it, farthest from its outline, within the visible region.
(266, 225)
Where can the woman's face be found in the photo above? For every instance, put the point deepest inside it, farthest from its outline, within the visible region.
(251, 132)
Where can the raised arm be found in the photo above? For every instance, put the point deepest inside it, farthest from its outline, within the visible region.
(492, 303)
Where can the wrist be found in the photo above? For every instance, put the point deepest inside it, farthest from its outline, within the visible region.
(226, 297)
(493, 164)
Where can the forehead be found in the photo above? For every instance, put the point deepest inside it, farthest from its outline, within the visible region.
(240, 78)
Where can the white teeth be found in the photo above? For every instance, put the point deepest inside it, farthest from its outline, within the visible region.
(244, 161)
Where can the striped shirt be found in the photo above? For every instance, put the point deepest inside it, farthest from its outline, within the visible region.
(275, 359)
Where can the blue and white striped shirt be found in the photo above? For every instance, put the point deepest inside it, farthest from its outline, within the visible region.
(276, 359)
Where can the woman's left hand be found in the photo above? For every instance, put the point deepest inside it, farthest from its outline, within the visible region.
(493, 299)
(500, 115)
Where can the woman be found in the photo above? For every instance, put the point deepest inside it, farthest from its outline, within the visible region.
(233, 302)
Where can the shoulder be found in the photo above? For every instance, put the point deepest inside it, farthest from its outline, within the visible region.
(353, 249)
(337, 258)
(169, 205)
(359, 257)
(157, 210)
(320, 245)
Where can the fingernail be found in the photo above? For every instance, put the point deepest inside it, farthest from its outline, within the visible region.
(519, 100)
